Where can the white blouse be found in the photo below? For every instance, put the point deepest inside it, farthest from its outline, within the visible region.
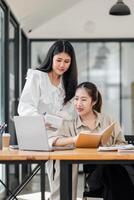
(40, 96)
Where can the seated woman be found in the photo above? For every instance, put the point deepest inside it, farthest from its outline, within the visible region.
(88, 102)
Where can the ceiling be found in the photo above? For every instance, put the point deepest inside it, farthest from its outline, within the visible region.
(72, 18)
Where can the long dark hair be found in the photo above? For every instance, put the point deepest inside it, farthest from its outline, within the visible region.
(70, 76)
(94, 93)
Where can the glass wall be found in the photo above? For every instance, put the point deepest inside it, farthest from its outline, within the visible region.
(11, 76)
(99, 63)
(2, 81)
(38, 52)
(127, 71)
(2, 66)
(9, 81)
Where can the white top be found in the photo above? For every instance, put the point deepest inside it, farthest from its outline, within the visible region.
(40, 96)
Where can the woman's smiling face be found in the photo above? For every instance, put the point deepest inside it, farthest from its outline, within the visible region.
(83, 102)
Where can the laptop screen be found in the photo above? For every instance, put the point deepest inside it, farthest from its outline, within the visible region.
(31, 133)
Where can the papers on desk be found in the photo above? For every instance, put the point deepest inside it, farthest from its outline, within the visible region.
(120, 148)
(126, 150)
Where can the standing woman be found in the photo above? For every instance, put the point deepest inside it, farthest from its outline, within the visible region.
(49, 89)
(52, 85)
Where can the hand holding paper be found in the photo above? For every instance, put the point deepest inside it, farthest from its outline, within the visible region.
(53, 121)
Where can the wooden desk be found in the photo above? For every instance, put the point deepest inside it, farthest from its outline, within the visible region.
(18, 157)
(87, 156)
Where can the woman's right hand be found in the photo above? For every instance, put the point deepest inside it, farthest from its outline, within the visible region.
(75, 139)
(48, 125)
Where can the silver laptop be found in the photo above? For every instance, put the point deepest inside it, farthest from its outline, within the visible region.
(32, 135)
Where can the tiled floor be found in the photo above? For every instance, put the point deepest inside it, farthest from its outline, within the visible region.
(36, 196)
(31, 191)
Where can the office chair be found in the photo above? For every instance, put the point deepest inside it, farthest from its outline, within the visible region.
(129, 139)
(88, 169)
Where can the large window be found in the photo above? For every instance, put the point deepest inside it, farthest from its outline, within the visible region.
(2, 72)
(127, 86)
(13, 75)
(2, 65)
(99, 63)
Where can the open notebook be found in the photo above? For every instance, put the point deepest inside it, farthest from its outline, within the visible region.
(93, 140)
(32, 134)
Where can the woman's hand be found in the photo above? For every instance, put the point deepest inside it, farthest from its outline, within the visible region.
(75, 139)
(48, 125)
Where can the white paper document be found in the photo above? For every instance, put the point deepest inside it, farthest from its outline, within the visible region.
(119, 148)
(53, 120)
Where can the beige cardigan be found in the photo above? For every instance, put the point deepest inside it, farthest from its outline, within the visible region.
(74, 127)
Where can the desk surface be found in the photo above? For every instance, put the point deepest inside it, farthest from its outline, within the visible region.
(16, 155)
(76, 154)
(89, 154)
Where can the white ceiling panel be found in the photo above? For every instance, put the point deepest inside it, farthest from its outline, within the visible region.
(72, 18)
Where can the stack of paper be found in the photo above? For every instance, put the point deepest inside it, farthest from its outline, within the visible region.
(119, 148)
(126, 149)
